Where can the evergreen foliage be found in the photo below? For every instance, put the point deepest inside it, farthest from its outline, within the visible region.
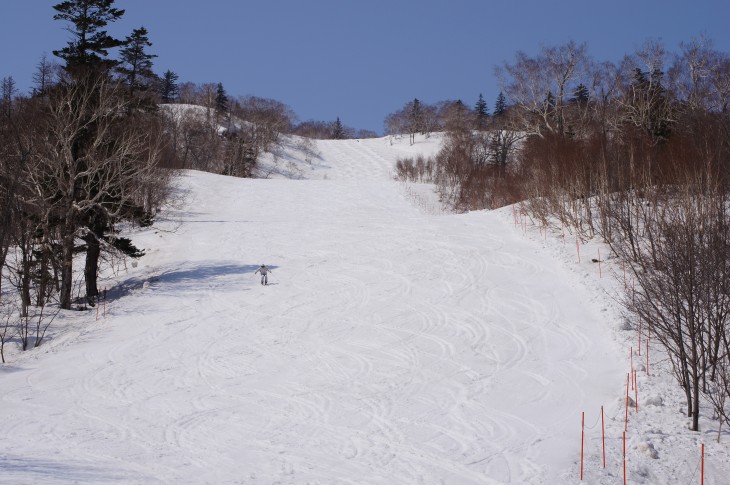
(481, 112)
(501, 105)
(338, 131)
(169, 89)
(90, 45)
(581, 94)
(221, 99)
(135, 65)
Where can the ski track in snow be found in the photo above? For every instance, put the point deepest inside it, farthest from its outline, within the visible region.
(392, 346)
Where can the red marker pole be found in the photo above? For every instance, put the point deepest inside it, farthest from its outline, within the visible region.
(702, 473)
(636, 392)
(631, 358)
(582, 440)
(603, 438)
(647, 357)
(626, 421)
(577, 248)
(624, 457)
(633, 292)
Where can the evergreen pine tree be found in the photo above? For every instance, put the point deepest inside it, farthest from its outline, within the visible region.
(135, 65)
(221, 100)
(501, 105)
(650, 107)
(88, 67)
(338, 132)
(482, 113)
(89, 47)
(7, 93)
(168, 87)
(581, 94)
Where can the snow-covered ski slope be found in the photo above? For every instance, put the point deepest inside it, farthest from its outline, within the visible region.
(392, 345)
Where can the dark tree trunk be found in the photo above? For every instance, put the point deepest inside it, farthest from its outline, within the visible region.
(67, 254)
(91, 269)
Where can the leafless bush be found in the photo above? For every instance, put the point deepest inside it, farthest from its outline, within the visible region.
(419, 169)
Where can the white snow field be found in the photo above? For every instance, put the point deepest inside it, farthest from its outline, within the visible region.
(393, 345)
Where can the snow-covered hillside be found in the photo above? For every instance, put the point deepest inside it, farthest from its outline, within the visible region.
(394, 345)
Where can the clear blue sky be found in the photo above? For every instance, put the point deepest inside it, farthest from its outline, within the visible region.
(361, 60)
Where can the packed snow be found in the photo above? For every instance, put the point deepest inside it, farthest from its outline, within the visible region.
(395, 343)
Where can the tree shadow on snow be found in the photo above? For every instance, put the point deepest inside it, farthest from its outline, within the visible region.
(30, 470)
(194, 275)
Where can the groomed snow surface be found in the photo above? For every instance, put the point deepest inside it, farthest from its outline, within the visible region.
(394, 344)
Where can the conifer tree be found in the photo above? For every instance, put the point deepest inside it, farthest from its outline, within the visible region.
(99, 156)
(89, 46)
(169, 89)
(501, 105)
(221, 100)
(415, 119)
(135, 65)
(581, 94)
(481, 112)
(338, 132)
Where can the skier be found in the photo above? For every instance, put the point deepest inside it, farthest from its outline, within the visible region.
(264, 271)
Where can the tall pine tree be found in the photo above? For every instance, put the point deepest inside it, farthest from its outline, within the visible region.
(338, 132)
(501, 105)
(169, 89)
(221, 100)
(135, 65)
(89, 47)
(481, 113)
(97, 162)
(581, 94)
